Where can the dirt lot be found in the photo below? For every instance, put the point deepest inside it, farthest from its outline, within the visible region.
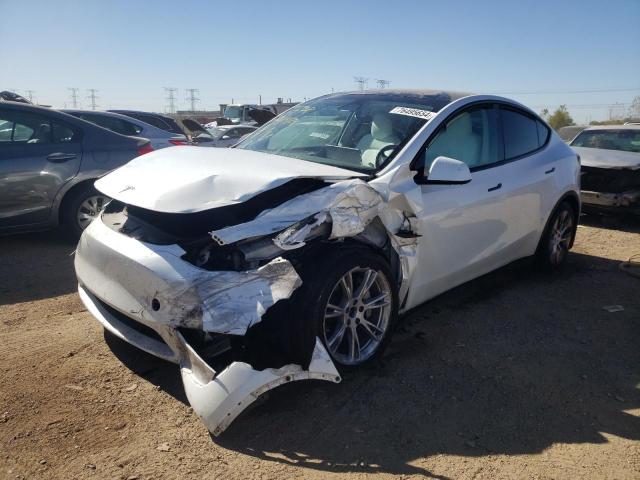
(515, 375)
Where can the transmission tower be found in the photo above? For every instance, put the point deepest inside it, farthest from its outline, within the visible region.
(361, 82)
(74, 96)
(382, 83)
(30, 95)
(92, 96)
(191, 97)
(171, 98)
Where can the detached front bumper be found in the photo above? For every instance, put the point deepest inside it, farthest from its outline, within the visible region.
(629, 199)
(119, 277)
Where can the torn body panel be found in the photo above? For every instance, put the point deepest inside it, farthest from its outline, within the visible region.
(216, 397)
(132, 286)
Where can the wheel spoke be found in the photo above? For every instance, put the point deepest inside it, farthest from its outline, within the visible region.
(378, 301)
(367, 282)
(354, 345)
(370, 327)
(347, 285)
(333, 311)
(335, 341)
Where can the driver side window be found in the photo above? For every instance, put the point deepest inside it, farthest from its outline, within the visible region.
(471, 137)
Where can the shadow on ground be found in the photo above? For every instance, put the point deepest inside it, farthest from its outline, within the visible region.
(623, 222)
(511, 363)
(36, 266)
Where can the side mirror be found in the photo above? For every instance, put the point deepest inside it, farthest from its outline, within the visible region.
(448, 171)
(225, 137)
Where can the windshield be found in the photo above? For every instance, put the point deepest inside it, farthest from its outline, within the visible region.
(622, 139)
(360, 132)
(217, 133)
(233, 113)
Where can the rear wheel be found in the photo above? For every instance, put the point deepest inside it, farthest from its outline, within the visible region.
(81, 208)
(558, 238)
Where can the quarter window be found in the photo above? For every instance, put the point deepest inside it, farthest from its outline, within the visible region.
(470, 136)
(520, 134)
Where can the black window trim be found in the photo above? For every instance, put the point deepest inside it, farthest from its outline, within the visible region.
(495, 104)
(512, 108)
(78, 134)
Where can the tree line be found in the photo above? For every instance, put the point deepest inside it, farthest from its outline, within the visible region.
(562, 118)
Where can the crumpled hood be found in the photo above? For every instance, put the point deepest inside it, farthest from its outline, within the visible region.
(601, 158)
(192, 179)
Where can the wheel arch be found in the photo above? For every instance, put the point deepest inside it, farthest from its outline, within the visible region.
(68, 195)
(573, 198)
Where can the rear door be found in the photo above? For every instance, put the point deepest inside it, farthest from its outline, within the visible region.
(38, 155)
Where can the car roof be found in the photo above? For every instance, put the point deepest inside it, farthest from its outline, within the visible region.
(392, 92)
(237, 125)
(613, 127)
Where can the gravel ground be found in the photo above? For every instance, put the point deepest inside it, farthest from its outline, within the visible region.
(515, 375)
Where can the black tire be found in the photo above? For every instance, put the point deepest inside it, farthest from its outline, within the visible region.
(71, 208)
(558, 237)
(309, 303)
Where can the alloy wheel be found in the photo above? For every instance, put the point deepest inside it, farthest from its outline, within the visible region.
(560, 238)
(357, 315)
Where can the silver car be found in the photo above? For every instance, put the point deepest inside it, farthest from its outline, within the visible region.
(229, 135)
(131, 127)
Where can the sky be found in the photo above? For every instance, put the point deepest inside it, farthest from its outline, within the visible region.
(584, 54)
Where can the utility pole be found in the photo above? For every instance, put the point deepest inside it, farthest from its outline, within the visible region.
(171, 98)
(382, 84)
(362, 82)
(30, 95)
(74, 96)
(260, 99)
(92, 96)
(191, 97)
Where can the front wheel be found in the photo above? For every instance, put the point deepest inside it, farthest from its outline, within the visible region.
(558, 237)
(349, 300)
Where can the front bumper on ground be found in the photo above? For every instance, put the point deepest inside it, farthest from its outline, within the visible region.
(603, 199)
(216, 397)
(119, 279)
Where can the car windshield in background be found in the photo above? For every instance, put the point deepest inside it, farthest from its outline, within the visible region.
(217, 133)
(623, 140)
(360, 132)
(233, 113)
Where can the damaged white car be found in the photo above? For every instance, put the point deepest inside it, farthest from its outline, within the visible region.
(291, 255)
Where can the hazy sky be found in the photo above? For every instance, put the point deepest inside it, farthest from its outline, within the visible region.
(585, 54)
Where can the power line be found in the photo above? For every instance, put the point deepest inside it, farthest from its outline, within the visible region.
(192, 97)
(171, 98)
(74, 96)
(92, 96)
(548, 92)
(361, 82)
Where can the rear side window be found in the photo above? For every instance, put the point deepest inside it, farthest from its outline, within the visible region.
(156, 122)
(32, 128)
(114, 124)
(520, 133)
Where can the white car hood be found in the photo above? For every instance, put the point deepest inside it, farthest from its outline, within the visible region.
(192, 179)
(601, 158)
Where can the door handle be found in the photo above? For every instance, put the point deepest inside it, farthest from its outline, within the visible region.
(497, 187)
(551, 170)
(59, 157)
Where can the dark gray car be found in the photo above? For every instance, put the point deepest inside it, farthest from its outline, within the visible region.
(48, 163)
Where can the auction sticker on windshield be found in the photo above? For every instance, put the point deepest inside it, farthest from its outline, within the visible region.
(413, 112)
